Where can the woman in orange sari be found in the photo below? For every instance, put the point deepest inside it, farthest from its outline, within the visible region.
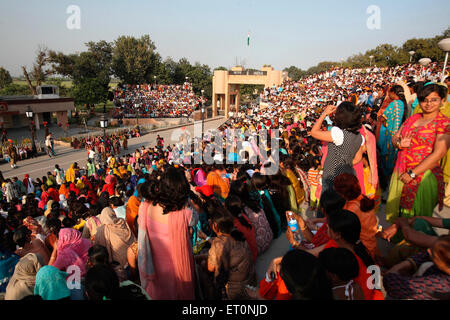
(348, 187)
(132, 212)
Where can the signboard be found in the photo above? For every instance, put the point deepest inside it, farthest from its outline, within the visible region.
(248, 73)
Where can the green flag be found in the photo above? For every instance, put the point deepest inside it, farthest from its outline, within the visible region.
(248, 39)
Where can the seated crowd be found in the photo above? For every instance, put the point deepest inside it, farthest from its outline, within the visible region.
(347, 146)
(155, 101)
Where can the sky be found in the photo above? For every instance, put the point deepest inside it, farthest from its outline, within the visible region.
(214, 32)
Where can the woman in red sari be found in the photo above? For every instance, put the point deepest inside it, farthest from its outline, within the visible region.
(417, 184)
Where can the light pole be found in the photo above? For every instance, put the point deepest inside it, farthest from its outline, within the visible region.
(371, 58)
(137, 106)
(104, 125)
(445, 46)
(411, 54)
(424, 62)
(30, 114)
(203, 113)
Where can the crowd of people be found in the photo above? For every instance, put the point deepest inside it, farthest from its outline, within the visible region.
(154, 224)
(155, 101)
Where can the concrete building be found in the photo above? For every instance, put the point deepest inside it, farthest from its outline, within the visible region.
(46, 106)
(227, 85)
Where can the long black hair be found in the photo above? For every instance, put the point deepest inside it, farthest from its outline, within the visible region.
(242, 190)
(236, 208)
(218, 214)
(170, 189)
(260, 184)
(348, 117)
(347, 224)
(400, 92)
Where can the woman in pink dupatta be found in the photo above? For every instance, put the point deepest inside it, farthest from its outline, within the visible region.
(165, 258)
(71, 249)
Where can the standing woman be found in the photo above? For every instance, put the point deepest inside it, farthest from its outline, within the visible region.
(165, 257)
(344, 141)
(393, 116)
(417, 184)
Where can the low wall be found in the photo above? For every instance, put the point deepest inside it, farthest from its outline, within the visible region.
(146, 121)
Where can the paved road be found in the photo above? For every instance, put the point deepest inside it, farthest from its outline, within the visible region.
(39, 167)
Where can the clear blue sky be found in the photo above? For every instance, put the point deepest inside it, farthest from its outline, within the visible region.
(214, 32)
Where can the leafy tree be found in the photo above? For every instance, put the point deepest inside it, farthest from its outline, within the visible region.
(5, 78)
(89, 91)
(89, 68)
(14, 89)
(424, 48)
(295, 73)
(135, 61)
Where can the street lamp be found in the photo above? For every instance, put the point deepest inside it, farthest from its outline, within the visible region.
(371, 58)
(424, 62)
(203, 113)
(104, 125)
(411, 54)
(445, 46)
(29, 114)
(137, 106)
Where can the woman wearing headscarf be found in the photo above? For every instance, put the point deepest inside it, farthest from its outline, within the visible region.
(115, 235)
(22, 282)
(132, 211)
(64, 189)
(70, 250)
(51, 284)
(28, 183)
(110, 184)
(393, 118)
(70, 173)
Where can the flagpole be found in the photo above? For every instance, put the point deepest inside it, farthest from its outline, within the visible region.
(248, 48)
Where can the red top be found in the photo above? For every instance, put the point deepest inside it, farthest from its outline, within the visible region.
(321, 236)
(275, 290)
(370, 294)
(249, 234)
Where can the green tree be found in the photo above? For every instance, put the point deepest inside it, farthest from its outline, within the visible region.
(89, 68)
(135, 61)
(5, 78)
(201, 78)
(425, 48)
(89, 91)
(14, 89)
(221, 68)
(388, 55)
(295, 73)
